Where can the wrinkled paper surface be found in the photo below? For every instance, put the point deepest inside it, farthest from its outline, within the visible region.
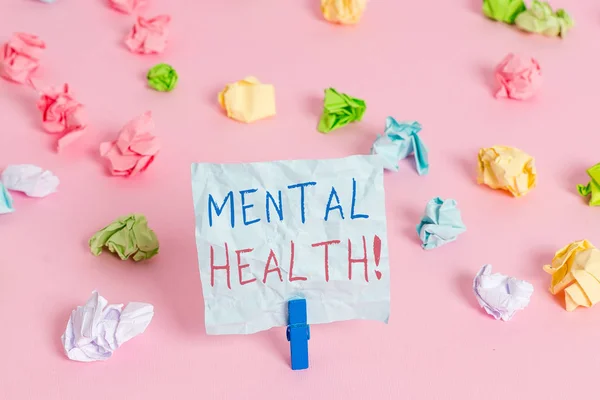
(507, 168)
(499, 295)
(30, 179)
(575, 269)
(503, 10)
(400, 140)
(592, 188)
(94, 331)
(339, 110)
(346, 12)
(541, 19)
(441, 223)
(127, 236)
(255, 306)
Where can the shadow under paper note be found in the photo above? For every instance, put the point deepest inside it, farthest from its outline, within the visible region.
(177, 276)
(275, 341)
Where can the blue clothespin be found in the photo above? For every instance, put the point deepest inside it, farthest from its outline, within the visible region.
(298, 333)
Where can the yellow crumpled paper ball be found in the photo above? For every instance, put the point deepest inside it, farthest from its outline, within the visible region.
(248, 100)
(343, 11)
(576, 270)
(506, 168)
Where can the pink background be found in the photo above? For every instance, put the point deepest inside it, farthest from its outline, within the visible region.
(430, 61)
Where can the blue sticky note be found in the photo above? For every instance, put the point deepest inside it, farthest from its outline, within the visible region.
(6, 201)
(441, 223)
(400, 140)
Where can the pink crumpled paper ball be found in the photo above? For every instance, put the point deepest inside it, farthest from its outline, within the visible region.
(62, 114)
(126, 6)
(20, 57)
(135, 148)
(149, 36)
(519, 77)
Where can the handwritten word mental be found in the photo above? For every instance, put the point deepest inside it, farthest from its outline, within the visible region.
(271, 204)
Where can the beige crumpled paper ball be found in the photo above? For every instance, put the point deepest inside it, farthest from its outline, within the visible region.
(343, 11)
(506, 168)
(575, 270)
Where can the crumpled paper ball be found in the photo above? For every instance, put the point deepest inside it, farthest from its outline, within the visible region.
(541, 19)
(400, 140)
(248, 100)
(62, 114)
(499, 295)
(20, 57)
(30, 179)
(346, 12)
(503, 10)
(135, 148)
(94, 331)
(340, 109)
(127, 236)
(575, 269)
(592, 188)
(506, 168)
(127, 6)
(519, 78)
(441, 224)
(162, 77)
(149, 36)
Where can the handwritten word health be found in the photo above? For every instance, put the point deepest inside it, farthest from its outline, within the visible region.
(245, 203)
(272, 265)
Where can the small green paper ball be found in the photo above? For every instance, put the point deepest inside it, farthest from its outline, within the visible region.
(162, 77)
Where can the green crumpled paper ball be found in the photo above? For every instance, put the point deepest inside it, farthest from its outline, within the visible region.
(592, 189)
(541, 19)
(126, 236)
(503, 10)
(162, 77)
(339, 110)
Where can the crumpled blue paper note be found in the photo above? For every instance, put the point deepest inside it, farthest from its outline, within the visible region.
(97, 329)
(501, 296)
(441, 223)
(256, 299)
(30, 179)
(6, 202)
(400, 140)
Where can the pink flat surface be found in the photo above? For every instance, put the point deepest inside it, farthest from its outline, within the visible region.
(430, 61)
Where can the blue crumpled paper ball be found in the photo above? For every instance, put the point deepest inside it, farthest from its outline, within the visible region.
(441, 223)
(400, 140)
